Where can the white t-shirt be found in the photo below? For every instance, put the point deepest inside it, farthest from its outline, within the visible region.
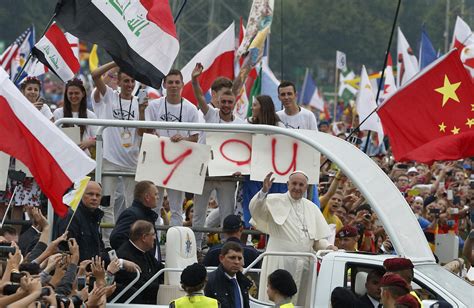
(162, 111)
(90, 131)
(112, 107)
(304, 119)
(212, 116)
(46, 111)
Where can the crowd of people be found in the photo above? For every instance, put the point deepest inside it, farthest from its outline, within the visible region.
(89, 265)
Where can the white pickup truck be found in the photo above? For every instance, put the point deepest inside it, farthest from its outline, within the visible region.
(392, 210)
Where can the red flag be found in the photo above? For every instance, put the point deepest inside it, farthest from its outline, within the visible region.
(432, 116)
(53, 159)
(217, 59)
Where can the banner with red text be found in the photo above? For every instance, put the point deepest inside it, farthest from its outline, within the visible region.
(283, 155)
(175, 165)
(230, 153)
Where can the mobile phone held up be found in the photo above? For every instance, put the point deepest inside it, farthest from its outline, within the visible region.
(141, 96)
(112, 255)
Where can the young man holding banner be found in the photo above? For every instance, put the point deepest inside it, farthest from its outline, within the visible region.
(225, 187)
(295, 224)
(173, 108)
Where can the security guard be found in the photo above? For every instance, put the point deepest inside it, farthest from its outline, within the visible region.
(193, 280)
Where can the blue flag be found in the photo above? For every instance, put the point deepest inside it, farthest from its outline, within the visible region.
(427, 51)
(309, 94)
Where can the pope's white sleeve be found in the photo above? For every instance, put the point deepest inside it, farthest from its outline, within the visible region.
(321, 244)
(258, 206)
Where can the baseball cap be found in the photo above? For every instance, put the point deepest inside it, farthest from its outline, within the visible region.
(232, 223)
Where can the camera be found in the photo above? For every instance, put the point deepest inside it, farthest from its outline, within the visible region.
(16, 277)
(6, 249)
(63, 299)
(436, 212)
(141, 96)
(81, 283)
(76, 301)
(45, 292)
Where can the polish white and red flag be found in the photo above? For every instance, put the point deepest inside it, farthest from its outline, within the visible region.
(217, 58)
(53, 159)
(54, 51)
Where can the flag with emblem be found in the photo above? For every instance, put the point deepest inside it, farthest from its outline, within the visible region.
(139, 35)
(54, 51)
(432, 116)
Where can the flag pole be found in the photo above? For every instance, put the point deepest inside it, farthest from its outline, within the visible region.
(381, 77)
(9, 205)
(50, 22)
(70, 220)
(179, 11)
(336, 80)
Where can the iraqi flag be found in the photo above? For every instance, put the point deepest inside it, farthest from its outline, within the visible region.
(217, 58)
(139, 35)
(52, 158)
(54, 51)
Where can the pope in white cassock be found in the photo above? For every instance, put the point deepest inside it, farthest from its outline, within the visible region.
(294, 224)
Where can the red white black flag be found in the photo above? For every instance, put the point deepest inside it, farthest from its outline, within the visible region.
(139, 35)
(54, 51)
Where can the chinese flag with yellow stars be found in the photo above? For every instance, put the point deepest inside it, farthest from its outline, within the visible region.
(432, 116)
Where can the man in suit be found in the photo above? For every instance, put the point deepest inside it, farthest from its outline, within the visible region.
(145, 200)
(227, 284)
(372, 298)
(85, 224)
(140, 250)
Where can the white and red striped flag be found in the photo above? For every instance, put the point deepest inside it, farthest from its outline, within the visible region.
(217, 58)
(54, 51)
(52, 158)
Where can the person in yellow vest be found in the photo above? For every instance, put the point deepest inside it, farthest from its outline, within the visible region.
(403, 267)
(193, 280)
(280, 288)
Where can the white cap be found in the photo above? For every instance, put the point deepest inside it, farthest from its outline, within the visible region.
(300, 172)
(412, 169)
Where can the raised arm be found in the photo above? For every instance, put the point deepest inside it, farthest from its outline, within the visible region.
(324, 199)
(99, 83)
(197, 88)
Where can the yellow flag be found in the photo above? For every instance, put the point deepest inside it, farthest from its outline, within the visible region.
(93, 58)
(73, 197)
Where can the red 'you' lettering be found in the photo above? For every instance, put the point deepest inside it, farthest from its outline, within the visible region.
(293, 159)
(237, 162)
(176, 162)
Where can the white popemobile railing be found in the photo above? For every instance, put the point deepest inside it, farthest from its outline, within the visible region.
(377, 188)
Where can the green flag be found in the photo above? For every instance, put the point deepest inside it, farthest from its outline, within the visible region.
(255, 91)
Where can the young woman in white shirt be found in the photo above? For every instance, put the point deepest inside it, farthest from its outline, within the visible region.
(75, 106)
